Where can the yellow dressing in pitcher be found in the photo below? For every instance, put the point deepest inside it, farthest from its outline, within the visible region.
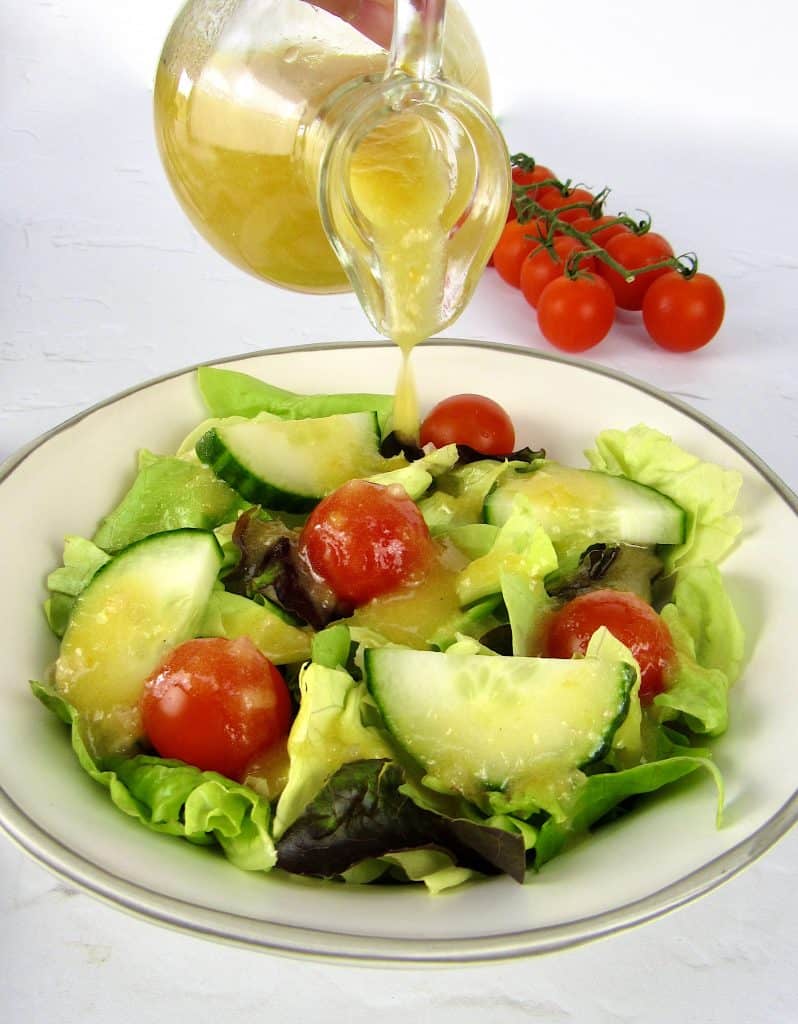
(234, 91)
(227, 141)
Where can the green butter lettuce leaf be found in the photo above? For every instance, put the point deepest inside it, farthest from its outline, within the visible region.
(266, 624)
(521, 547)
(332, 646)
(328, 732)
(706, 492)
(81, 560)
(363, 812)
(168, 493)
(230, 393)
(172, 797)
(528, 607)
(709, 644)
(601, 794)
(473, 539)
(417, 478)
(460, 494)
(463, 644)
(434, 868)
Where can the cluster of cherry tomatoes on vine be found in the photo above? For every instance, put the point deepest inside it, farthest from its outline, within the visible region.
(577, 266)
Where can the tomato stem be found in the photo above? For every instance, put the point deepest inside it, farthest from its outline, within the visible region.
(523, 162)
(528, 208)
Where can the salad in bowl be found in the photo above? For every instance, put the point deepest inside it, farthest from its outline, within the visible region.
(326, 651)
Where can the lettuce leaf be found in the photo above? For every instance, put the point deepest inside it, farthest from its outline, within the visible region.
(168, 493)
(521, 547)
(230, 393)
(267, 625)
(81, 559)
(417, 477)
(332, 646)
(434, 868)
(528, 607)
(175, 798)
(709, 644)
(459, 495)
(706, 492)
(363, 812)
(328, 732)
(601, 794)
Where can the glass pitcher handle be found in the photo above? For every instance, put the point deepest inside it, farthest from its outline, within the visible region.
(417, 42)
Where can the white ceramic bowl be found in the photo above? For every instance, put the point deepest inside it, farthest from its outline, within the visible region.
(645, 864)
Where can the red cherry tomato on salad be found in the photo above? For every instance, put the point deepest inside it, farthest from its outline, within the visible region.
(542, 266)
(531, 178)
(515, 242)
(575, 314)
(629, 619)
(474, 420)
(364, 540)
(634, 251)
(215, 703)
(605, 228)
(682, 314)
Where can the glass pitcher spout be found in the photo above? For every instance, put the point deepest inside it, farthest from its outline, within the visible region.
(413, 187)
(413, 183)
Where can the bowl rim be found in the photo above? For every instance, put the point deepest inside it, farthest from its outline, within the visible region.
(321, 944)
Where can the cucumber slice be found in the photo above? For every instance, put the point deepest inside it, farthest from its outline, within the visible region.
(589, 505)
(144, 602)
(291, 464)
(520, 726)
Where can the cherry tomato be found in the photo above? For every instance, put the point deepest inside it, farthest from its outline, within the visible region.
(629, 619)
(542, 266)
(215, 703)
(474, 420)
(364, 540)
(554, 200)
(634, 251)
(577, 195)
(531, 178)
(575, 314)
(515, 242)
(682, 314)
(601, 237)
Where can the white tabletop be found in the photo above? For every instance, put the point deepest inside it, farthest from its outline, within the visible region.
(104, 284)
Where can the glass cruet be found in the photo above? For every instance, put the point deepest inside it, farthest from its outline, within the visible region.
(268, 115)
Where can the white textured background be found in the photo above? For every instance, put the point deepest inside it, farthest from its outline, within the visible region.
(687, 111)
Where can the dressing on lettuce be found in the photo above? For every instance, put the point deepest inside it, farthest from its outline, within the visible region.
(327, 733)
(172, 797)
(709, 645)
(230, 393)
(168, 493)
(706, 492)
